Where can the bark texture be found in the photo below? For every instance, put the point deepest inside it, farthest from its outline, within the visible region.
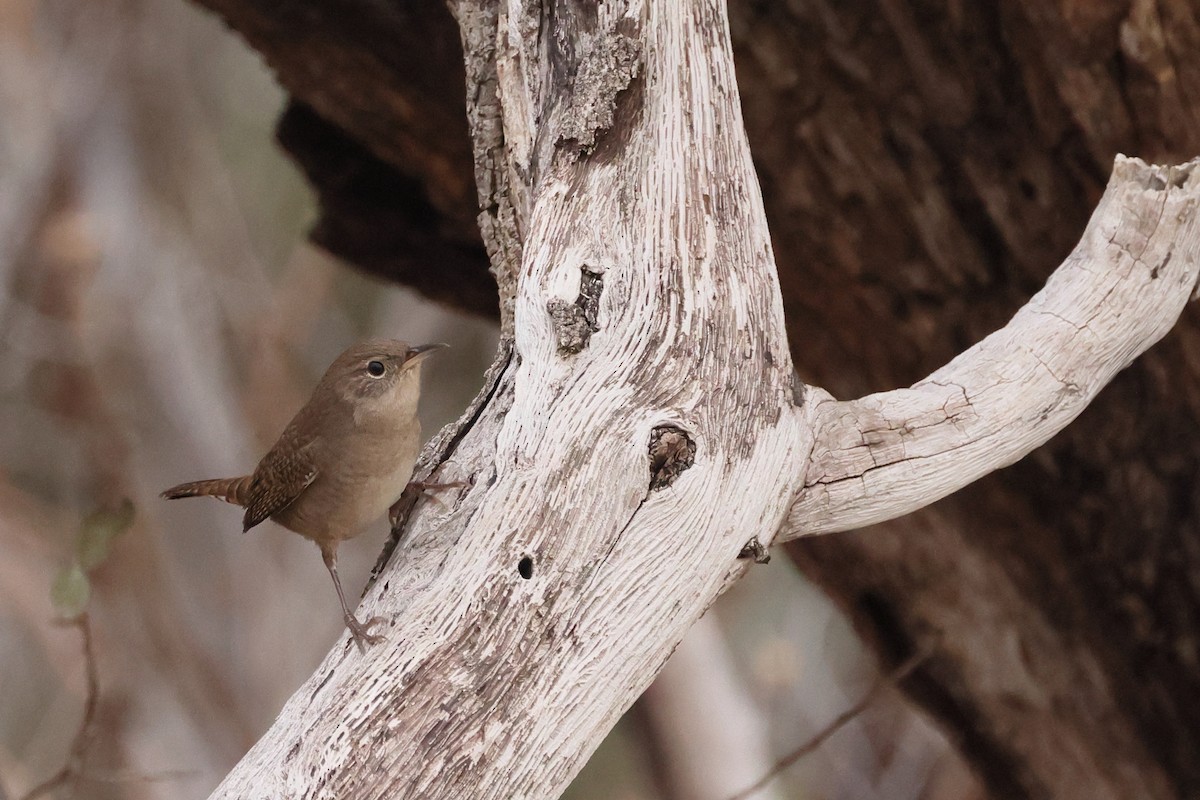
(924, 165)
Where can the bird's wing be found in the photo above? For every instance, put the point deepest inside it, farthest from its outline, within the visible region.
(283, 474)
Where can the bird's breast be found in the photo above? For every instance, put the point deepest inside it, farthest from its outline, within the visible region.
(355, 486)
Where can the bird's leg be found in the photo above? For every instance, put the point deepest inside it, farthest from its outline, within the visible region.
(360, 632)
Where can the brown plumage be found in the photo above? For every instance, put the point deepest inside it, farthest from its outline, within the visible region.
(231, 490)
(342, 460)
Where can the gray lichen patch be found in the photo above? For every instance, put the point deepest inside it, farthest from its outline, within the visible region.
(672, 451)
(574, 323)
(606, 69)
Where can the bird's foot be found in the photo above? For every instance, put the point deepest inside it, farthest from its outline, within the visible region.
(407, 500)
(361, 632)
(421, 486)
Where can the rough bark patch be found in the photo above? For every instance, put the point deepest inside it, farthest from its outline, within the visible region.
(574, 323)
(607, 68)
(672, 451)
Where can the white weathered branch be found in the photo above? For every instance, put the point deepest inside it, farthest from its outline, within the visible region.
(1119, 292)
(611, 467)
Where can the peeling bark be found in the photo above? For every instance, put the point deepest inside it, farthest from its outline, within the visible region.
(611, 60)
(574, 323)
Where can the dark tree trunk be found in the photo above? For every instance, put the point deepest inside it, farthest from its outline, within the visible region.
(925, 165)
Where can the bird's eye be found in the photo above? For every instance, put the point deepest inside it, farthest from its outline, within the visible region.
(375, 369)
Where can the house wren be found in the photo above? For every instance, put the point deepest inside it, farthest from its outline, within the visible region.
(342, 460)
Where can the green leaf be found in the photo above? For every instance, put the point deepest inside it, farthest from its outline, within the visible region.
(70, 592)
(97, 532)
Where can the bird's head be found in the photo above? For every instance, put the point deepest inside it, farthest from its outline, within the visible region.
(379, 376)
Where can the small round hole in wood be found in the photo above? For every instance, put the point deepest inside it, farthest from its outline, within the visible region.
(525, 567)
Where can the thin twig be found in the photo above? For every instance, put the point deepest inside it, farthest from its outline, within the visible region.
(130, 776)
(73, 768)
(886, 681)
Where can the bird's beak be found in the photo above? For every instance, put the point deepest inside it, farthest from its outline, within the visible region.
(418, 354)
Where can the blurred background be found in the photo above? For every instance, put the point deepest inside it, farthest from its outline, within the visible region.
(161, 319)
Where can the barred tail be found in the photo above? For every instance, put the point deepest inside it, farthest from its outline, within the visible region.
(231, 490)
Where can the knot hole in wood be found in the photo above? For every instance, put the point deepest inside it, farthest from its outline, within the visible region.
(672, 450)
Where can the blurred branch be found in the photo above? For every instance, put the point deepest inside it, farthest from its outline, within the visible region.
(73, 767)
(706, 750)
(886, 681)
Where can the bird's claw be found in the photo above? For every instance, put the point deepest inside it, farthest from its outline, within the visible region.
(421, 487)
(361, 632)
(430, 488)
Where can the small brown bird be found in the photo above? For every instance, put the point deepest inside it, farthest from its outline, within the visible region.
(342, 460)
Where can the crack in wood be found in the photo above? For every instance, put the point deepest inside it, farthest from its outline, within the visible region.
(320, 685)
(616, 540)
(672, 450)
(438, 451)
